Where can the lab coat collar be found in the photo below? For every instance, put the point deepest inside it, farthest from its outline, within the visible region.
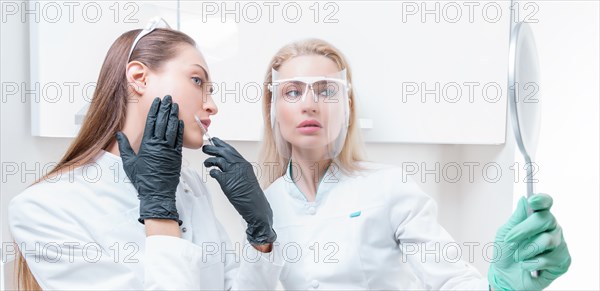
(111, 162)
(333, 176)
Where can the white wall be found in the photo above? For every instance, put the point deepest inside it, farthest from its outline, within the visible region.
(466, 115)
(568, 151)
(567, 38)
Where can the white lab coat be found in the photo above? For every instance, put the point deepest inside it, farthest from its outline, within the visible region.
(353, 235)
(80, 231)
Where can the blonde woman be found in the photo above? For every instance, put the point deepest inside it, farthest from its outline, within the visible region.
(118, 211)
(343, 223)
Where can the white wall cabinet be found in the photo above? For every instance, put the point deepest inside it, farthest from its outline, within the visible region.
(68, 44)
(424, 72)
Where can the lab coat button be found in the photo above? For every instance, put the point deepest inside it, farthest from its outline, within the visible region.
(314, 283)
(312, 210)
(186, 190)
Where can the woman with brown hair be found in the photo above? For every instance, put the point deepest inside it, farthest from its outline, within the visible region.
(118, 211)
(356, 225)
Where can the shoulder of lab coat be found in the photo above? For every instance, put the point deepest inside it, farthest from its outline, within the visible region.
(413, 214)
(413, 217)
(57, 213)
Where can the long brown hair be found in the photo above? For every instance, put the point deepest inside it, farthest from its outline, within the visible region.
(353, 150)
(106, 114)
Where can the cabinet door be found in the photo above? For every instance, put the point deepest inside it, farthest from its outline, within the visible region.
(423, 71)
(68, 44)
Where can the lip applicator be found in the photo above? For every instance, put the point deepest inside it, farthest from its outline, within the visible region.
(204, 129)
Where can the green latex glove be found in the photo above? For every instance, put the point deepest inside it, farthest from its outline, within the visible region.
(155, 169)
(526, 244)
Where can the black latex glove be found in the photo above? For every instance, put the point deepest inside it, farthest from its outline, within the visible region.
(238, 182)
(156, 168)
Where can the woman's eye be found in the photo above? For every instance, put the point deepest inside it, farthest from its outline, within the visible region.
(197, 81)
(292, 93)
(328, 89)
(327, 93)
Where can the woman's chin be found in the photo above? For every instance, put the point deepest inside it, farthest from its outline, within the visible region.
(309, 144)
(193, 144)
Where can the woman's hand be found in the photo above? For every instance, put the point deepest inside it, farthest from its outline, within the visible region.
(526, 244)
(156, 168)
(238, 182)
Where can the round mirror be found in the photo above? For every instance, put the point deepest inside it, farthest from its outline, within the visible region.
(524, 90)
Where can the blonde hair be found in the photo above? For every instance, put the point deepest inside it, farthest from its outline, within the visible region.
(353, 150)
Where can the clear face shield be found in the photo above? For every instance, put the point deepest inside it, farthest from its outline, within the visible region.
(310, 112)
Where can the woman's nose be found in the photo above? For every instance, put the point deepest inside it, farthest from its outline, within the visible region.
(309, 104)
(210, 106)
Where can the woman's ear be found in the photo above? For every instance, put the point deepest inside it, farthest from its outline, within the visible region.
(137, 74)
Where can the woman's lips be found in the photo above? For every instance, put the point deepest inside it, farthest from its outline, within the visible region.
(308, 129)
(309, 126)
(206, 123)
(202, 123)
(309, 123)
